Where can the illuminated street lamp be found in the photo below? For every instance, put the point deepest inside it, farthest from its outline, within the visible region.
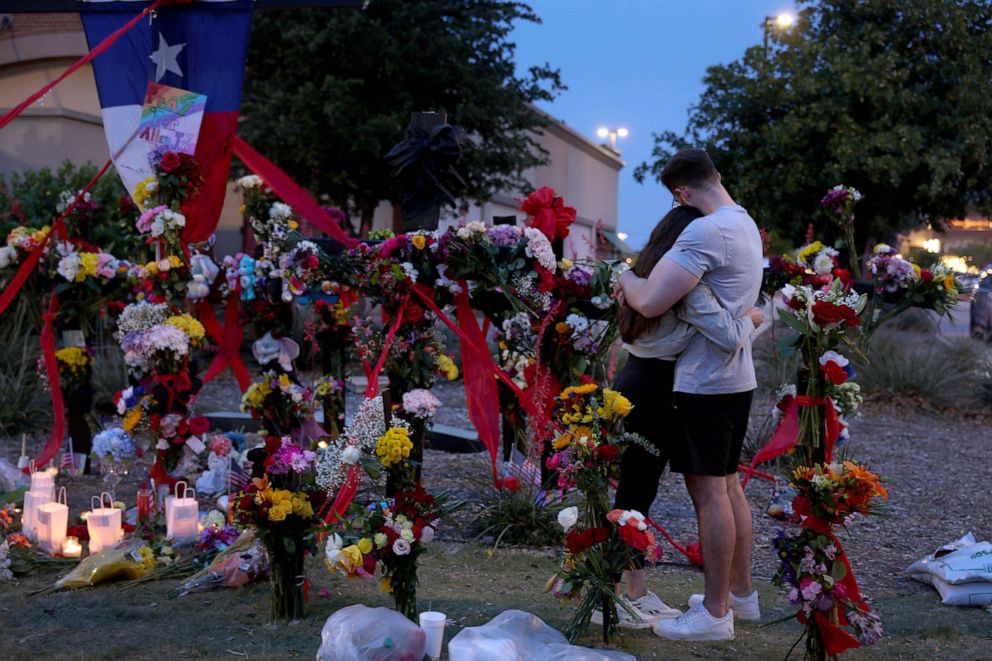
(782, 22)
(612, 134)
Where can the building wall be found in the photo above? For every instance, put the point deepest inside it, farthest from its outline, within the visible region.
(66, 124)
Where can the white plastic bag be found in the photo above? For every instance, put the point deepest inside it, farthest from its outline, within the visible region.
(960, 571)
(360, 633)
(519, 636)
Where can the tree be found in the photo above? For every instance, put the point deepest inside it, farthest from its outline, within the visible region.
(889, 96)
(328, 93)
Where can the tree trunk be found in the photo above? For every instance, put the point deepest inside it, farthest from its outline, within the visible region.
(397, 218)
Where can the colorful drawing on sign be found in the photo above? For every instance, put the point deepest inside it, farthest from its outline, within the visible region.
(171, 117)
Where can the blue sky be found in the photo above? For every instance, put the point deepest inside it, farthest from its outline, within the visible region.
(637, 64)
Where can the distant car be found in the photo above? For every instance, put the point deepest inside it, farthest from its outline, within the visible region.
(981, 310)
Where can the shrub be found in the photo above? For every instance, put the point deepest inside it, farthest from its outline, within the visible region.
(25, 404)
(514, 515)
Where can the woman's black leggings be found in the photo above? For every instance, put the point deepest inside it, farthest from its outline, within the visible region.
(647, 383)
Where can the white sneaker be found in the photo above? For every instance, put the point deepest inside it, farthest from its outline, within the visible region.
(649, 609)
(745, 608)
(697, 624)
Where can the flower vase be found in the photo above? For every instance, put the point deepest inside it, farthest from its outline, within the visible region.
(286, 575)
(113, 472)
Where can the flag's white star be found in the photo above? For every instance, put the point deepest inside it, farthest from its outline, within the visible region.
(165, 58)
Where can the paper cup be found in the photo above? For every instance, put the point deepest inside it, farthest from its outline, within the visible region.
(432, 622)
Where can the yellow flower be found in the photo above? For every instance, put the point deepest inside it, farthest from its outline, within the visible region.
(563, 328)
(152, 268)
(385, 585)
(614, 404)
(365, 545)
(349, 559)
(566, 264)
(188, 325)
(419, 241)
(394, 446)
(808, 252)
(144, 190)
(949, 282)
(277, 513)
(584, 389)
(174, 261)
(562, 441)
(87, 266)
(132, 418)
(241, 209)
(292, 224)
(447, 367)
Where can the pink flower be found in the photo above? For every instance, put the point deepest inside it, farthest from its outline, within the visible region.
(144, 223)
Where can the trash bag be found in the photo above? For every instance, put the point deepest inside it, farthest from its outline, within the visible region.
(360, 633)
(519, 636)
(960, 571)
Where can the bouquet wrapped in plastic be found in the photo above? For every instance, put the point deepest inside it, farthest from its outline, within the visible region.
(239, 564)
(127, 561)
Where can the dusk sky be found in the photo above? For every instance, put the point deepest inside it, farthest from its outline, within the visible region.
(638, 64)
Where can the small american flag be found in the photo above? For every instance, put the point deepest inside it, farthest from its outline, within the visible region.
(69, 464)
(238, 478)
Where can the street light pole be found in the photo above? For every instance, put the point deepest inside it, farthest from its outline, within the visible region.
(612, 135)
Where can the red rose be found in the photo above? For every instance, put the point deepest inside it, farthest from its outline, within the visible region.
(607, 452)
(576, 542)
(926, 275)
(413, 313)
(826, 313)
(834, 373)
(843, 275)
(368, 563)
(512, 484)
(634, 538)
(311, 261)
(199, 425)
(272, 444)
(170, 162)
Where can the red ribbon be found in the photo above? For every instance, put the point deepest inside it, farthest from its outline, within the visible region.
(290, 193)
(548, 213)
(78, 64)
(835, 638)
(787, 433)
(228, 338)
(57, 434)
(58, 227)
(174, 384)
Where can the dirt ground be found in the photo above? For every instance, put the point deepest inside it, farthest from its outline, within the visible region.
(938, 472)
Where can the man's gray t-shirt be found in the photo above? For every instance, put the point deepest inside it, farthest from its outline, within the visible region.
(723, 250)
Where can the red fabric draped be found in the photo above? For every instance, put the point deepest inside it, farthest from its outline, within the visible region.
(787, 433)
(78, 64)
(213, 156)
(57, 434)
(290, 193)
(58, 228)
(228, 340)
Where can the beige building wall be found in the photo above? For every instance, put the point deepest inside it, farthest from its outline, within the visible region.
(66, 124)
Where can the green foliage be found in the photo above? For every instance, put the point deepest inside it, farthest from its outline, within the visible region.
(511, 516)
(328, 93)
(888, 96)
(31, 197)
(946, 373)
(25, 403)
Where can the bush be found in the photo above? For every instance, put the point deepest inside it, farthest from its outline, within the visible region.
(513, 515)
(944, 372)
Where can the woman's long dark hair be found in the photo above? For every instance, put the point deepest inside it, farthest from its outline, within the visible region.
(632, 323)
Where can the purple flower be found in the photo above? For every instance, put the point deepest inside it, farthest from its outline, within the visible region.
(504, 235)
(290, 457)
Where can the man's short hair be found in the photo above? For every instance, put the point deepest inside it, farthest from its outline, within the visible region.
(689, 167)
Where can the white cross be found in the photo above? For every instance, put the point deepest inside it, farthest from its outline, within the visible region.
(165, 58)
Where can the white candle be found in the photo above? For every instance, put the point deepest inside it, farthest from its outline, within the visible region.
(71, 548)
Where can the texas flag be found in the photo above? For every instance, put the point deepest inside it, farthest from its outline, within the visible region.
(198, 47)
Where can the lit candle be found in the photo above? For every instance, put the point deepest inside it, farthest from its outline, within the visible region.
(71, 548)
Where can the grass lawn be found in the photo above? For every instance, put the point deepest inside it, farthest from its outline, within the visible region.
(458, 579)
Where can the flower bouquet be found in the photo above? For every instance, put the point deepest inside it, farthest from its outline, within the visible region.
(114, 448)
(589, 424)
(813, 564)
(279, 401)
(281, 507)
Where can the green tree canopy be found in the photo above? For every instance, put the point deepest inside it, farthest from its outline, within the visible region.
(328, 93)
(892, 97)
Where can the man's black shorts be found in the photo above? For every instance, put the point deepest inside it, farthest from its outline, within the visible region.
(713, 429)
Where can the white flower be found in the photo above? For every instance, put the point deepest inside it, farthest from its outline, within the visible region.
(280, 211)
(158, 226)
(823, 263)
(249, 181)
(568, 517)
(401, 547)
(381, 540)
(333, 548)
(407, 534)
(426, 534)
(350, 455)
(469, 230)
(409, 270)
(68, 266)
(7, 256)
(834, 357)
(540, 248)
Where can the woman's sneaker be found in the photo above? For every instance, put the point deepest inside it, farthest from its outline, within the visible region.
(697, 624)
(745, 608)
(647, 610)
